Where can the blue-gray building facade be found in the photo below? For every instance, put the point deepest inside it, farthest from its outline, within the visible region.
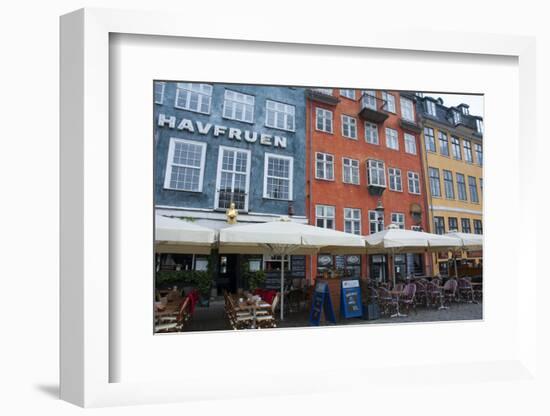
(222, 143)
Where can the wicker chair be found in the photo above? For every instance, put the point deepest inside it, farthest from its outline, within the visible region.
(450, 290)
(434, 294)
(407, 298)
(421, 297)
(386, 301)
(465, 290)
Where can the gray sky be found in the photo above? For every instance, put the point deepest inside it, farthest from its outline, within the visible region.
(474, 101)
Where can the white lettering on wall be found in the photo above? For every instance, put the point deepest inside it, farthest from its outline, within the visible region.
(186, 124)
(170, 120)
(233, 133)
(219, 130)
(265, 139)
(279, 141)
(250, 137)
(203, 129)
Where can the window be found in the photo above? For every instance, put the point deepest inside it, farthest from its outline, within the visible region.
(371, 133)
(352, 221)
(434, 182)
(350, 169)
(238, 106)
(457, 117)
(453, 224)
(194, 97)
(474, 197)
(395, 179)
(376, 173)
(324, 166)
(391, 139)
(233, 178)
(376, 222)
(466, 228)
(479, 126)
(439, 225)
(461, 187)
(324, 216)
(478, 227)
(185, 165)
(390, 101)
(348, 93)
(279, 115)
(278, 176)
(448, 184)
(479, 154)
(414, 183)
(465, 110)
(327, 91)
(324, 120)
(429, 138)
(443, 144)
(349, 127)
(369, 99)
(468, 151)
(407, 109)
(455, 146)
(398, 219)
(159, 92)
(430, 108)
(410, 143)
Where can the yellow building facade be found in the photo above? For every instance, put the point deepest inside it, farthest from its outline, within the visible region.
(452, 152)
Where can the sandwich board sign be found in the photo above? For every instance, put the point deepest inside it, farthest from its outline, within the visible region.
(321, 302)
(350, 302)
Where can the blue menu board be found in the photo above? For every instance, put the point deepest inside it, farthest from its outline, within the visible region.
(350, 303)
(321, 302)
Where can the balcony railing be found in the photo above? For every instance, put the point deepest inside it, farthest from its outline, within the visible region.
(373, 108)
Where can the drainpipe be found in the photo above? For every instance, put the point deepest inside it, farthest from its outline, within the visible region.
(424, 153)
(309, 146)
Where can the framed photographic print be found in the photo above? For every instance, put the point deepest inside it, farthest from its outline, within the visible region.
(220, 190)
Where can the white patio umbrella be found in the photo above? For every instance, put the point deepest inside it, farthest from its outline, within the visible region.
(396, 240)
(468, 242)
(174, 235)
(284, 237)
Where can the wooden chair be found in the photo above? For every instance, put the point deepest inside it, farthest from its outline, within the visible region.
(237, 319)
(265, 319)
(170, 322)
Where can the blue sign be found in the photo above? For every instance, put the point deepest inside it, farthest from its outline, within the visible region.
(350, 302)
(321, 302)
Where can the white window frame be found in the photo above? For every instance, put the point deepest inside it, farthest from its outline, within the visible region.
(170, 163)
(395, 217)
(325, 217)
(288, 109)
(352, 125)
(351, 168)
(345, 92)
(415, 178)
(369, 99)
(388, 136)
(239, 101)
(389, 102)
(479, 125)
(318, 111)
(325, 162)
(182, 86)
(379, 169)
(373, 128)
(407, 109)
(163, 85)
(355, 223)
(397, 178)
(219, 174)
(374, 216)
(457, 117)
(410, 143)
(290, 179)
(431, 108)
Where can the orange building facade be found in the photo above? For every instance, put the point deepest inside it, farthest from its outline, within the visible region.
(364, 172)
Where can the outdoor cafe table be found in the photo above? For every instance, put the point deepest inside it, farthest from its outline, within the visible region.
(251, 306)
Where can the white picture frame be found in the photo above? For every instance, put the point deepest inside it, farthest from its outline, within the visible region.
(86, 220)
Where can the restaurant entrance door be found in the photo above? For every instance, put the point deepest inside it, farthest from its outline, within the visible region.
(228, 270)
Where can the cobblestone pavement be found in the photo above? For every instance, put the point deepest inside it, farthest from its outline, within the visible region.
(213, 317)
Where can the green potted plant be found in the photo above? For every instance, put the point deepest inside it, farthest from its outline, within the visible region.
(254, 280)
(203, 283)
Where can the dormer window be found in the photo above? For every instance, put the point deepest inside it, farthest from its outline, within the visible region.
(457, 118)
(465, 110)
(479, 126)
(430, 108)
